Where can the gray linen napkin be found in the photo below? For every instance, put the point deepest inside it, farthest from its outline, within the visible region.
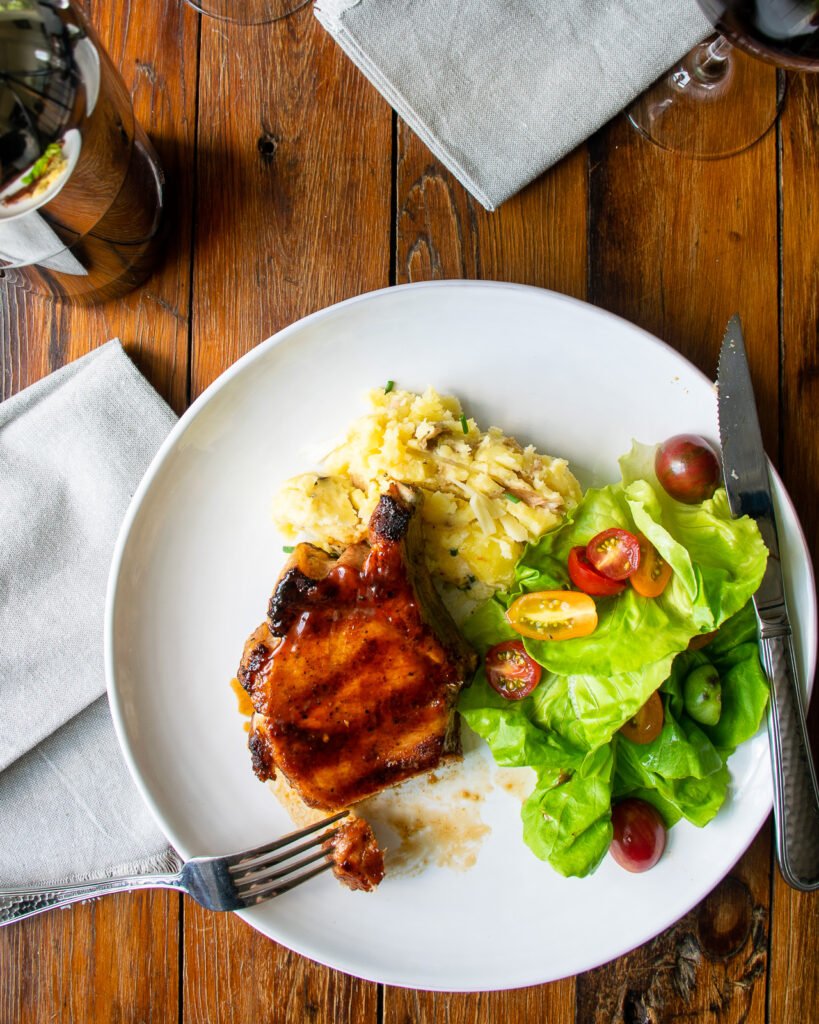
(73, 447)
(500, 90)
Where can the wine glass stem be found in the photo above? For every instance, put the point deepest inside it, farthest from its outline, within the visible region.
(710, 59)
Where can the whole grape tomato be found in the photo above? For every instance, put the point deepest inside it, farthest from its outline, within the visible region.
(687, 468)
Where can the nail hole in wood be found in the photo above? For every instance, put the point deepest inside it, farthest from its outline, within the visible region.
(267, 146)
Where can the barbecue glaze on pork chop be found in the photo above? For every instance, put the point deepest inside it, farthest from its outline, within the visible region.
(355, 674)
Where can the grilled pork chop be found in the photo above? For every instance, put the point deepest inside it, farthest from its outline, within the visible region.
(355, 674)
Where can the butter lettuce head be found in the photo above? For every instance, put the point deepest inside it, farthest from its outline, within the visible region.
(568, 729)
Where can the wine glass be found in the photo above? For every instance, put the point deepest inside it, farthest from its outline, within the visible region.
(706, 106)
(247, 12)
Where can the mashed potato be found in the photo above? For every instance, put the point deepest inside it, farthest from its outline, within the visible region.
(485, 495)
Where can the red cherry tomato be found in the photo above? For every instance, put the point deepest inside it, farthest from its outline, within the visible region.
(639, 834)
(614, 553)
(647, 724)
(687, 468)
(586, 578)
(553, 615)
(511, 671)
(653, 573)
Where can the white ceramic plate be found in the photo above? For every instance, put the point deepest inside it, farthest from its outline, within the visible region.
(196, 561)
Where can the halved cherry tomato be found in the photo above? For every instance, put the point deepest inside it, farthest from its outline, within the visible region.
(586, 578)
(553, 615)
(615, 553)
(647, 724)
(511, 671)
(653, 573)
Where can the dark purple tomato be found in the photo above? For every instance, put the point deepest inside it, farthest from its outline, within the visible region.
(687, 468)
(639, 834)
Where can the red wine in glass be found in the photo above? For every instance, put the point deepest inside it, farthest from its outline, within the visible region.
(785, 32)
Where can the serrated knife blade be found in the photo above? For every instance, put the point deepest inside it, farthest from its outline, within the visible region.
(747, 482)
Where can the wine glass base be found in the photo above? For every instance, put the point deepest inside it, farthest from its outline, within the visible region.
(247, 12)
(710, 108)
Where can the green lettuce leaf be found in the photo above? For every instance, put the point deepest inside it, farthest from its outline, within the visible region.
(567, 817)
(568, 729)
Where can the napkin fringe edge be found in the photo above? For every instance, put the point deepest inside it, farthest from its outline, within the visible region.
(165, 862)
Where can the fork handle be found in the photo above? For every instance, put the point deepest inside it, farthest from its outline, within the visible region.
(796, 795)
(15, 904)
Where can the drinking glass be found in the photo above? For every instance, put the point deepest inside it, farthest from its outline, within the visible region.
(247, 12)
(707, 106)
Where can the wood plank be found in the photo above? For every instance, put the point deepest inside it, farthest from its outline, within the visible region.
(293, 186)
(538, 237)
(233, 975)
(547, 1004)
(292, 214)
(795, 916)
(679, 245)
(116, 959)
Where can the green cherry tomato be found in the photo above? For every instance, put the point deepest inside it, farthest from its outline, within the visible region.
(702, 695)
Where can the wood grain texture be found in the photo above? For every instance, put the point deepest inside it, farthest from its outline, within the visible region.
(112, 960)
(115, 960)
(293, 185)
(538, 237)
(794, 994)
(232, 975)
(678, 245)
(544, 1004)
(293, 208)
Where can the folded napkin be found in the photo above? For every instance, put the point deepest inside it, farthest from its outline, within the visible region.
(500, 90)
(72, 450)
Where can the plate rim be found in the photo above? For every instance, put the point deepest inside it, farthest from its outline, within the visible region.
(194, 410)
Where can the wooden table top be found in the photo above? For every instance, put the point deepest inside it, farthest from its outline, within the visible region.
(292, 186)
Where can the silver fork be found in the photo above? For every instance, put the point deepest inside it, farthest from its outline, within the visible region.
(234, 882)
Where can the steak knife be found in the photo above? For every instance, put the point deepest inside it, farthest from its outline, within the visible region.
(745, 466)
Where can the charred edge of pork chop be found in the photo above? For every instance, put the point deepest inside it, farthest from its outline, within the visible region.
(258, 648)
(305, 567)
(392, 517)
(261, 751)
(357, 860)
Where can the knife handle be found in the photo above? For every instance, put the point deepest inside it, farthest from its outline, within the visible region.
(796, 797)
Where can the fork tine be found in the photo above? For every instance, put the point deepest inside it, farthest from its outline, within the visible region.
(243, 859)
(270, 891)
(243, 875)
(264, 879)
